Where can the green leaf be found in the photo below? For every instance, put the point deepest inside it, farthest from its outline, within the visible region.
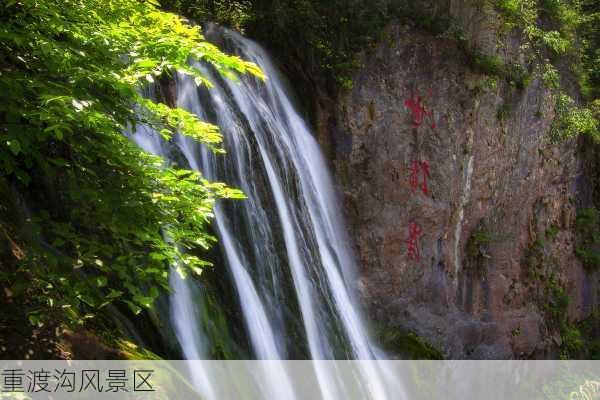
(144, 301)
(113, 294)
(23, 176)
(14, 146)
(35, 320)
(135, 309)
(70, 86)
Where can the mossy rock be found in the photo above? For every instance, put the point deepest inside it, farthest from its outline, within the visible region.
(408, 345)
(587, 229)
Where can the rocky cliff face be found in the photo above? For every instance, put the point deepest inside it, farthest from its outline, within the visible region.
(461, 210)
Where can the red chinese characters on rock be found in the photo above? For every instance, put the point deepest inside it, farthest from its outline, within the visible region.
(419, 169)
(414, 232)
(418, 111)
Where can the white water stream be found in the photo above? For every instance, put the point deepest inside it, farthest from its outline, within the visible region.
(285, 246)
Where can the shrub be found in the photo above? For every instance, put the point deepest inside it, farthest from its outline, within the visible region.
(100, 207)
(587, 228)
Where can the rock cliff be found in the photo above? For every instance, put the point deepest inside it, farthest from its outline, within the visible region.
(462, 211)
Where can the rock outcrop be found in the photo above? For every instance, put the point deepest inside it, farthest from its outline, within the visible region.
(461, 209)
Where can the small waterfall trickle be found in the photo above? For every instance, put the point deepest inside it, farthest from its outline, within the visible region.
(285, 246)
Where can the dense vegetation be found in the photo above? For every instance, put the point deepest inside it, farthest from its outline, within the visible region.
(564, 45)
(319, 42)
(89, 218)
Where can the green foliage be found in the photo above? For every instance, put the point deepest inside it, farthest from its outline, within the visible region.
(587, 228)
(325, 35)
(131, 351)
(435, 18)
(577, 339)
(516, 11)
(492, 65)
(534, 257)
(476, 240)
(432, 16)
(551, 76)
(571, 120)
(590, 329)
(525, 14)
(236, 13)
(564, 28)
(408, 344)
(557, 317)
(487, 64)
(315, 38)
(504, 111)
(552, 232)
(70, 84)
(589, 37)
(478, 247)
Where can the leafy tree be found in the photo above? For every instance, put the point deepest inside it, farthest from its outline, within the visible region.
(87, 209)
(314, 38)
(562, 34)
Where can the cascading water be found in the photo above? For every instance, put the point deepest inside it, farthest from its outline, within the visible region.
(285, 245)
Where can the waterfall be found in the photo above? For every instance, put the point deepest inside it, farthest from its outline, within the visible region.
(285, 246)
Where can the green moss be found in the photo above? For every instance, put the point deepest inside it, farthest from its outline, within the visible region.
(504, 111)
(477, 246)
(515, 75)
(589, 258)
(132, 351)
(487, 64)
(590, 330)
(408, 344)
(552, 232)
(534, 257)
(557, 318)
(587, 229)
(478, 238)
